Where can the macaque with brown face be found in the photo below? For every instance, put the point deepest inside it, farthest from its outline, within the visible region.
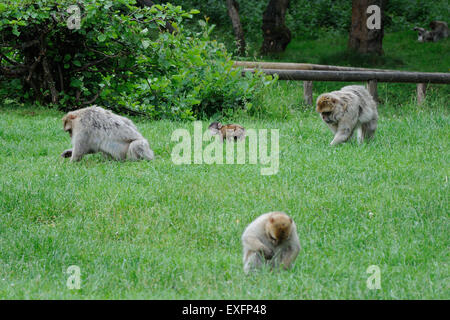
(348, 109)
(95, 129)
(439, 30)
(228, 131)
(271, 240)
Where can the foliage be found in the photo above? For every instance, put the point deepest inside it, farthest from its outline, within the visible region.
(194, 77)
(120, 57)
(311, 19)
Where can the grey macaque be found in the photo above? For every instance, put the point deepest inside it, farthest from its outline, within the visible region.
(95, 129)
(348, 109)
(271, 239)
(439, 30)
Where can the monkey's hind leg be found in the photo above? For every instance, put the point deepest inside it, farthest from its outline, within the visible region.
(139, 150)
(368, 128)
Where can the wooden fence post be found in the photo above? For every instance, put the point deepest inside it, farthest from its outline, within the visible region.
(307, 92)
(421, 92)
(373, 89)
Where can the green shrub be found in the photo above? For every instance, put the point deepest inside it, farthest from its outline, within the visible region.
(121, 57)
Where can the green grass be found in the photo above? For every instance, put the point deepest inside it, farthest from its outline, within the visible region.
(155, 230)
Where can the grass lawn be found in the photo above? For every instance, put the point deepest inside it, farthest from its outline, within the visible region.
(154, 230)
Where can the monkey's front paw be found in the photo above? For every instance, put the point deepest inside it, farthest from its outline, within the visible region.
(268, 254)
(67, 154)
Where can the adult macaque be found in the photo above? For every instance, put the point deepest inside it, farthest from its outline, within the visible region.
(95, 129)
(349, 108)
(439, 30)
(271, 240)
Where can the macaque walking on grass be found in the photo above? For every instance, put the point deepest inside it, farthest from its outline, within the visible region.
(95, 129)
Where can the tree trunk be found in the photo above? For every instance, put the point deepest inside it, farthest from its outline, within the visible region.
(362, 39)
(276, 35)
(233, 12)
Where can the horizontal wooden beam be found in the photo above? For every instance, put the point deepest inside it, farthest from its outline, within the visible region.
(298, 66)
(360, 76)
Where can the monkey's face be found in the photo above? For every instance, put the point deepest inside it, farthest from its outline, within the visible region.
(423, 35)
(327, 117)
(278, 228)
(215, 127)
(420, 32)
(327, 106)
(68, 123)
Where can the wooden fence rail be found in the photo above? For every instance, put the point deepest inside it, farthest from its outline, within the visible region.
(298, 66)
(365, 75)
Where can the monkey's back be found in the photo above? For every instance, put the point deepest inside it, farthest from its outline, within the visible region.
(359, 96)
(106, 130)
(104, 121)
(232, 130)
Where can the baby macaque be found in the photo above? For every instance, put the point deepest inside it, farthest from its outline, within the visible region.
(271, 240)
(95, 129)
(346, 109)
(439, 30)
(423, 35)
(229, 131)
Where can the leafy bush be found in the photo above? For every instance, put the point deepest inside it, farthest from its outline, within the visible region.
(120, 57)
(194, 76)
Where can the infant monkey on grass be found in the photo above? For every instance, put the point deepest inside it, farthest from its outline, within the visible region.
(228, 131)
